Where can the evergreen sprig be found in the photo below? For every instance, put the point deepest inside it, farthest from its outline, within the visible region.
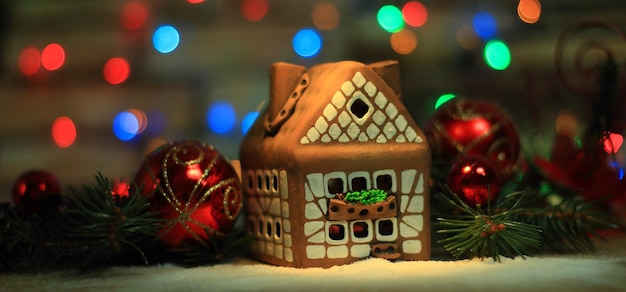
(473, 233)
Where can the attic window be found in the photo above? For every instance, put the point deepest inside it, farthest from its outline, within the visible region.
(359, 108)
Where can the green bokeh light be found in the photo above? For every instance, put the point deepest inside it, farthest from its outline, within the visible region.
(497, 55)
(390, 18)
(443, 99)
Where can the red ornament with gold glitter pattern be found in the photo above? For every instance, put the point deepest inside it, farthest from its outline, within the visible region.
(194, 188)
(37, 191)
(465, 126)
(475, 180)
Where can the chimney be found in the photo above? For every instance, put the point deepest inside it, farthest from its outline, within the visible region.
(389, 71)
(284, 78)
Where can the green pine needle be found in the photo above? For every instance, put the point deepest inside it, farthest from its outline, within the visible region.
(474, 234)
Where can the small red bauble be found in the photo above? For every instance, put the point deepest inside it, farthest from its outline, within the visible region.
(475, 180)
(474, 127)
(37, 191)
(194, 188)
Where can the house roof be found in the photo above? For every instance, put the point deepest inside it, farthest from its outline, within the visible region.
(345, 102)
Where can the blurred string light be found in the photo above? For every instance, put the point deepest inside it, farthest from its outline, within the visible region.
(29, 61)
(325, 16)
(403, 42)
(254, 10)
(307, 43)
(414, 13)
(467, 38)
(443, 99)
(390, 18)
(529, 11)
(63, 132)
(247, 121)
(129, 123)
(52, 57)
(134, 15)
(221, 117)
(116, 70)
(484, 25)
(165, 39)
(497, 55)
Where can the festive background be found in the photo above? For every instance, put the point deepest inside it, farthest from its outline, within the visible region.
(96, 85)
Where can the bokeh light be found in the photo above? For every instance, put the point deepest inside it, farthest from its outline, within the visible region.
(566, 125)
(248, 121)
(165, 39)
(612, 142)
(116, 70)
(254, 10)
(403, 42)
(307, 43)
(29, 61)
(325, 16)
(63, 132)
(414, 13)
(467, 38)
(142, 119)
(52, 57)
(443, 99)
(529, 11)
(497, 55)
(125, 126)
(390, 18)
(221, 117)
(134, 15)
(195, 1)
(484, 25)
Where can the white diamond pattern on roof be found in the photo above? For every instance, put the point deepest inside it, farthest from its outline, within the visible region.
(379, 118)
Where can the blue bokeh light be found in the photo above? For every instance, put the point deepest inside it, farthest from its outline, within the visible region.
(484, 25)
(165, 39)
(307, 43)
(221, 117)
(247, 121)
(125, 126)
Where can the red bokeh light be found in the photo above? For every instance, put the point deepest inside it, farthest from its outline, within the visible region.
(53, 57)
(29, 61)
(414, 13)
(63, 132)
(134, 15)
(116, 70)
(254, 10)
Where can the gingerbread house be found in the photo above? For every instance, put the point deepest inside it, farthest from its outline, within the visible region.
(328, 130)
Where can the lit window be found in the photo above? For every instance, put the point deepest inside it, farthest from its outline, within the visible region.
(336, 232)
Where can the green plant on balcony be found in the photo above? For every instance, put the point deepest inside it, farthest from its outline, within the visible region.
(366, 197)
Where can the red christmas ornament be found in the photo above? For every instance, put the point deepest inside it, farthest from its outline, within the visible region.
(37, 191)
(475, 180)
(194, 188)
(474, 127)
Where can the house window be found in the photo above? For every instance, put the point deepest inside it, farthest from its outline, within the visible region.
(385, 227)
(250, 182)
(359, 108)
(277, 229)
(275, 182)
(259, 182)
(269, 222)
(384, 182)
(336, 232)
(335, 186)
(359, 184)
(362, 231)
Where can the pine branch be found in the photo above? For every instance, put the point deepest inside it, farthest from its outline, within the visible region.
(214, 250)
(107, 226)
(476, 234)
(569, 226)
